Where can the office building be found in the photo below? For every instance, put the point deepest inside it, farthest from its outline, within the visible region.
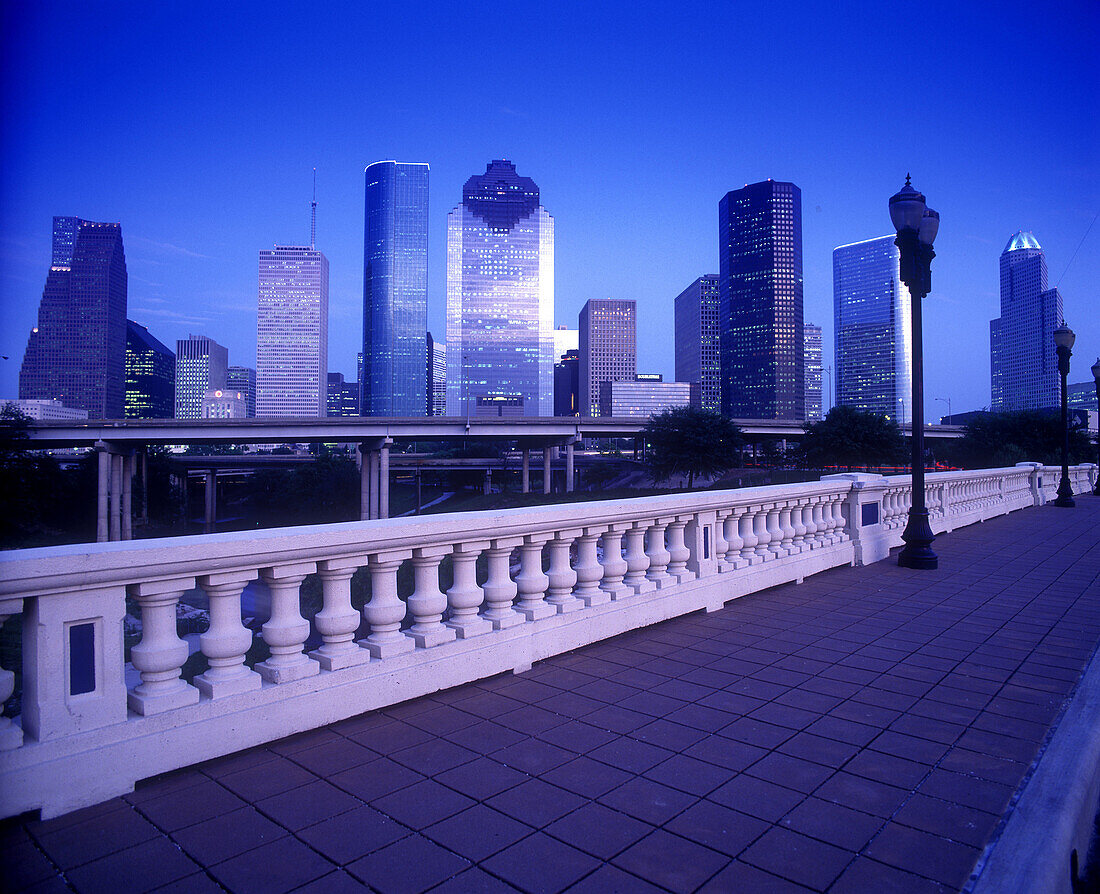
(292, 333)
(567, 384)
(500, 294)
(872, 314)
(395, 289)
(608, 347)
(201, 366)
(45, 410)
(696, 340)
(1023, 363)
(642, 399)
(77, 352)
(150, 375)
(436, 369)
(812, 340)
(243, 379)
(565, 340)
(219, 404)
(1082, 396)
(343, 397)
(760, 302)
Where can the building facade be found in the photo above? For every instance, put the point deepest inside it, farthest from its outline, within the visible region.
(608, 347)
(567, 384)
(77, 352)
(642, 398)
(227, 404)
(150, 375)
(436, 369)
(243, 379)
(760, 301)
(292, 333)
(872, 312)
(1022, 360)
(343, 397)
(46, 410)
(696, 340)
(565, 340)
(500, 294)
(812, 338)
(395, 289)
(201, 367)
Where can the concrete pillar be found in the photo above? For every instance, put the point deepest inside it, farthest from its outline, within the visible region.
(487, 487)
(384, 480)
(546, 469)
(127, 496)
(115, 517)
(526, 470)
(143, 458)
(569, 468)
(364, 483)
(103, 484)
(372, 472)
(211, 501)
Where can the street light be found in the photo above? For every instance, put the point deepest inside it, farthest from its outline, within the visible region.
(916, 225)
(1096, 378)
(946, 400)
(1063, 343)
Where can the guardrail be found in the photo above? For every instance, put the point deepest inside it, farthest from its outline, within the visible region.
(525, 584)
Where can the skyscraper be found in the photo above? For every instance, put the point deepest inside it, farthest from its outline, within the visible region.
(874, 334)
(760, 301)
(500, 294)
(201, 366)
(292, 333)
(150, 375)
(1023, 365)
(567, 384)
(343, 397)
(608, 347)
(77, 352)
(436, 369)
(243, 379)
(395, 289)
(696, 342)
(812, 339)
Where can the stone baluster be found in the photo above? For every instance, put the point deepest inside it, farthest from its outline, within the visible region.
(786, 532)
(385, 611)
(286, 631)
(746, 528)
(821, 526)
(532, 582)
(226, 642)
(836, 512)
(763, 535)
(338, 621)
(11, 736)
(810, 540)
(731, 526)
(658, 554)
(799, 525)
(678, 553)
(161, 653)
(562, 578)
(775, 535)
(721, 544)
(637, 562)
(464, 598)
(589, 570)
(427, 602)
(614, 565)
(499, 587)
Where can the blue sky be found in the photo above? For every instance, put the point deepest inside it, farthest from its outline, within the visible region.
(197, 125)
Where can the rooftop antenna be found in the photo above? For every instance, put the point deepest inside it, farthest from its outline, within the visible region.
(313, 215)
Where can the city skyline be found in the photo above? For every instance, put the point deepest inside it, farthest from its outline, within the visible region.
(634, 221)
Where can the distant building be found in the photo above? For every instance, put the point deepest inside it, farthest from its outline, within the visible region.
(649, 377)
(243, 379)
(696, 340)
(76, 354)
(343, 397)
(436, 363)
(46, 410)
(292, 333)
(813, 371)
(567, 385)
(760, 302)
(1023, 363)
(642, 399)
(608, 347)
(873, 324)
(565, 340)
(498, 405)
(1081, 396)
(150, 375)
(500, 294)
(395, 289)
(201, 366)
(220, 404)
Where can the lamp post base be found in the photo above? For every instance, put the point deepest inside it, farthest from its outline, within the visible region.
(918, 537)
(1065, 493)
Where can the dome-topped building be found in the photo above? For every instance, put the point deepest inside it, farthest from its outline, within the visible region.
(1023, 239)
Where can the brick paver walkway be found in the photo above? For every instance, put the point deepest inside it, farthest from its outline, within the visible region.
(863, 731)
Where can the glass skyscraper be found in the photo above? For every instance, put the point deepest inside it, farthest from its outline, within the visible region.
(813, 371)
(292, 333)
(696, 344)
(760, 301)
(608, 348)
(874, 334)
(202, 365)
(500, 295)
(77, 352)
(1023, 364)
(243, 379)
(395, 290)
(150, 375)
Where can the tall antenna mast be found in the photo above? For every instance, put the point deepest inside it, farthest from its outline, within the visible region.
(313, 215)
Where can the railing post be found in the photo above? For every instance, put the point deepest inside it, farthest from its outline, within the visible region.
(161, 653)
(427, 602)
(1035, 481)
(589, 570)
(614, 566)
(337, 621)
(499, 587)
(11, 736)
(703, 541)
(464, 598)
(532, 582)
(286, 631)
(386, 611)
(561, 575)
(227, 640)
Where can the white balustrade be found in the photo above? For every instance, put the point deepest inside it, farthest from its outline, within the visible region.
(678, 553)
(637, 562)
(385, 611)
(11, 736)
(427, 602)
(746, 527)
(786, 529)
(286, 631)
(338, 621)
(161, 653)
(500, 589)
(226, 641)
(464, 598)
(658, 554)
(561, 577)
(614, 565)
(589, 570)
(532, 582)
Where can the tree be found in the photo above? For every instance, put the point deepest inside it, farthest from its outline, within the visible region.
(993, 440)
(690, 441)
(851, 437)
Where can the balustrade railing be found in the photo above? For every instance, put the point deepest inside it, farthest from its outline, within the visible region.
(524, 584)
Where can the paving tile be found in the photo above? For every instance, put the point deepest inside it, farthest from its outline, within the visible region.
(689, 774)
(155, 787)
(410, 865)
(833, 823)
(233, 763)
(137, 869)
(790, 772)
(647, 800)
(757, 797)
(887, 768)
(797, 858)
(429, 758)
(266, 779)
(719, 828)
(535, 802)
(227, 835)
(338, 882)
(984, 766)
(610, 879)
(441, 719)
(533, 756)
(196, 883)
(671, 861)
(665, 734)
(391, 737)
(541, 864)
(726, 753)
(324, 760)
(472, 881)
(820, 750)
(578, 737)
(422, 804)
(757, 732)
(351, 835)
(309, 804)
(948, 820)
(738, 877)
(478, 832)
(530, 720)
(921, 853)
(586, 777)
(484, 737)
(912, 748)
(616, 719)
(967, 790)
(95, 837)
(24, 865)
(862, 794)
(628, 754)
(380, 777)
(190, 805)
(599, 830)
(304, 740)
(481, 778)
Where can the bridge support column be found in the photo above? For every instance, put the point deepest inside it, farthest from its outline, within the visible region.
(546, 469)
(103, 484)
(526, 469)
(372, 472)
(487, 487)
(114, 520)
(127, 496)
(364, 483)
(211, 495)
(384, 479)
(569, 468)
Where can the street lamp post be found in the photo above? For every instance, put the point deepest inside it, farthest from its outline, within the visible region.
(1063, 344)
(1096, 378)
(916, 225)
